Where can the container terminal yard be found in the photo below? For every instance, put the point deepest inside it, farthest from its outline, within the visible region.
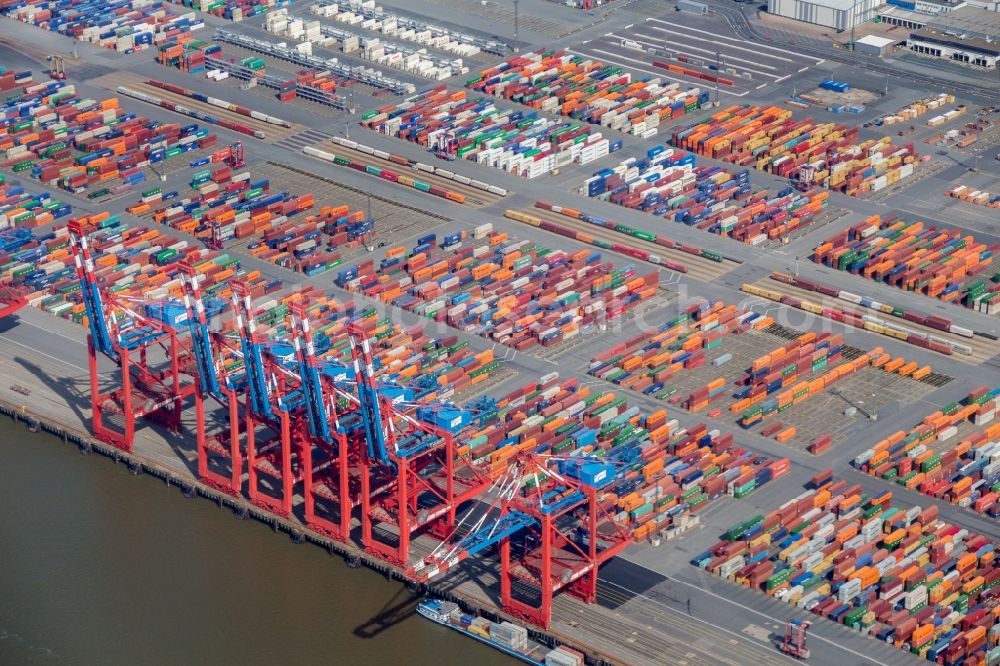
(618, 328)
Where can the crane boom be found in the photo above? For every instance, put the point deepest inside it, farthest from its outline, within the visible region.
(312, 387)
(208, 376)
(100, 330)
(253, 360)
(376, 425)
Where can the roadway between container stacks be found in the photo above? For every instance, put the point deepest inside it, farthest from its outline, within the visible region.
(699, 268)
(474, 196)
(983, 349)
(690, 641)
(273, 133)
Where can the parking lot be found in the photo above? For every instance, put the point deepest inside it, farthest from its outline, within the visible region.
(699, 43)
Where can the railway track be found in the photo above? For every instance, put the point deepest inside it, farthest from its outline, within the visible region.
(274, 133)
(982, 348)
(699, 268)
(474, 196)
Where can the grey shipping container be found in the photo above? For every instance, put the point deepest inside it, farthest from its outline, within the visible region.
(692, 7)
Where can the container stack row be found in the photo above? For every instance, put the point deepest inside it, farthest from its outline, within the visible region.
(186, 53)
(834, 86)
(434, 367)
(522, 143)
(972, 195)
(829, 155)
(790, 375)
(668, 183)
(234, 10)
(648, 361)
(63, 140)
(693, 73)
(905, 577)
(512, 292)
(10, 79)
(919, 108)
(928, 457)
(857, 319)
(21, 208)
(234, 207)
(589, 90)
(138, 263)
(648, 471)
(946, 117)
(124, 25)
(376, 18)
(941, 263)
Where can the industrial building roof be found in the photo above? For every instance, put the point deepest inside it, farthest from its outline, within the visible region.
(876, 41)
(955, 4)
(969, 22)
(905, 14)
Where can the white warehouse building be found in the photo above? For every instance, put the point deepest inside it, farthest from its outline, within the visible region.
(838, 15)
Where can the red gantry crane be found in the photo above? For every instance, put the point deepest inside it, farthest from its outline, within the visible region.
(329, 495)
(552, 533)
(364, 446)
(12, 299)
(134, 341)
(223, 451)
(412, 477)
(273, 398)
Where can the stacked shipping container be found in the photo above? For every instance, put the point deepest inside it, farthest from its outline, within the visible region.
(235, 207)
(234, 10)
(905, 577)
(186, 53)
(918, 108)
(134, 262)
(942, 263)
(436, 368)
(522, 143)
(647, 362)
(588, 90)
(829, 154)
(70, 142)
(123, 25)
(513, 292)
(669, 184)
(791, 374)
(966, 473)
(647, 469)
(20, 208)
(972, 195)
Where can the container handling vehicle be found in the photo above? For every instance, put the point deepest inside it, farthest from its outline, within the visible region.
(794, 643)
(57, 68)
